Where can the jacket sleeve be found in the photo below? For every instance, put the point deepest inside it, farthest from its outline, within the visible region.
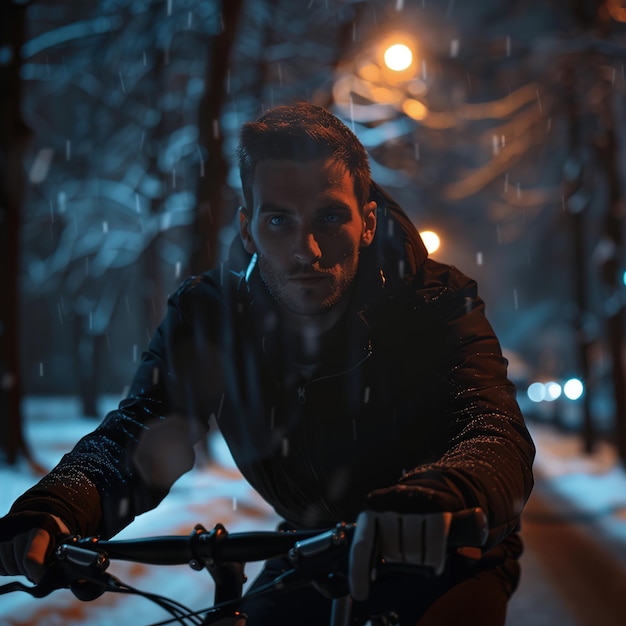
(127, 465)
(487, 454)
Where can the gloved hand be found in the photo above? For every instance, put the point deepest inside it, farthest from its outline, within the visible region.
(26, 542)
(410, 538)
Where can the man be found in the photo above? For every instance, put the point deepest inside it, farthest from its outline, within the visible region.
(351, 376)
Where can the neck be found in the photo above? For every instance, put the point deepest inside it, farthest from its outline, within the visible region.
(310, 327)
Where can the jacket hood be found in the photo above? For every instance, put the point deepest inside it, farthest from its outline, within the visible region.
(397, 248)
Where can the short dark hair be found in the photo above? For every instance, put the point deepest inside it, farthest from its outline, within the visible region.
(301, 132)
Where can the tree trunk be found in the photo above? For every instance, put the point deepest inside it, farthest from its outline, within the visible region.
(611, 252)
(214, 167)
(13, 137)
(576, 199)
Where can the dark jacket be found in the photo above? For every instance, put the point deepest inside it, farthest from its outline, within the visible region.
(410, 408)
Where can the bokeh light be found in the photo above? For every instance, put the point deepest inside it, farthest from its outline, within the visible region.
(414, 109)
(431, 240)
(536, 392)
(553, 391)
(573, 388)
(398, 57)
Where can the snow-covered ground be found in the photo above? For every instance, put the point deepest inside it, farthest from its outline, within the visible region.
(217, 493)
(594, 484)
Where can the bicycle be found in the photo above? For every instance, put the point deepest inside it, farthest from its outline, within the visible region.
(317, 557)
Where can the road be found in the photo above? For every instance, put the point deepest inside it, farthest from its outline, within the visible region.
(573, 575)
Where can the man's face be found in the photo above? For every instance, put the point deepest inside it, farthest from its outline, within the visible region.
(306, 227)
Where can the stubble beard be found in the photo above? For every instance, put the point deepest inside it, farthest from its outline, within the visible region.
(276, 283)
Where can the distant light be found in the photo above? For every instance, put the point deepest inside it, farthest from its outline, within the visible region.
(398, 57)
(431, 240)
(369, 71)
(414, 109)
(573, 389)
(624, 277)
(536, 392)
(553, 391)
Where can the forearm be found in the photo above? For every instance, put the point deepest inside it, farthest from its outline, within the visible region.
(486, 461)
(484, 453)
(67, 494)
(95, 488)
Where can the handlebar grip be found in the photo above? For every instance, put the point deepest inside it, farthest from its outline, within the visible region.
(88, 559)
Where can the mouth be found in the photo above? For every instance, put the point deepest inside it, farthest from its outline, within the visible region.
(308, 280)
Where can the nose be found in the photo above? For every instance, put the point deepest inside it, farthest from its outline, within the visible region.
(307, 249)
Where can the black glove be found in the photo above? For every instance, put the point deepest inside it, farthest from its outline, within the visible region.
(416, 539)
(27, 540)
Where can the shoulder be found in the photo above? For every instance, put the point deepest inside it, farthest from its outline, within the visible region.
(437, 297)
(218, 286)
(433, 274)
(444, 289)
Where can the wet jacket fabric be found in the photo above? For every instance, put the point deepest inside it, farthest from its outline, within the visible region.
(409, 409)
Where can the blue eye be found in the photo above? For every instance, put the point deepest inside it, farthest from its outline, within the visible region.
(277, 220)
(334, 218)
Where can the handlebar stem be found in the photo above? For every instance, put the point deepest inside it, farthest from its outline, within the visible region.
(229, 577)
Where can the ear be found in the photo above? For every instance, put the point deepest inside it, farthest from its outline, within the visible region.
(369, 224)
(244, 230)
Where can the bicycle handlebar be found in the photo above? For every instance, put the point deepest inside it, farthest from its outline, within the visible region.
(216, 544)
(87, 559)
(468, 528)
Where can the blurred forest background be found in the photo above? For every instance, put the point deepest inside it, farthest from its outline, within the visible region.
(506, 136)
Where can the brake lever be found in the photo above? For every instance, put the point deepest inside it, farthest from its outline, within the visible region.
(54, 578)
(85, 571)
(322, 559)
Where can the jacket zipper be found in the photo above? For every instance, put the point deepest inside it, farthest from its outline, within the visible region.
(302, 389)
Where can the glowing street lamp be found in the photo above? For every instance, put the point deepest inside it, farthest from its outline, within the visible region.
(431, 240)
(383, 73)
(398, 57)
